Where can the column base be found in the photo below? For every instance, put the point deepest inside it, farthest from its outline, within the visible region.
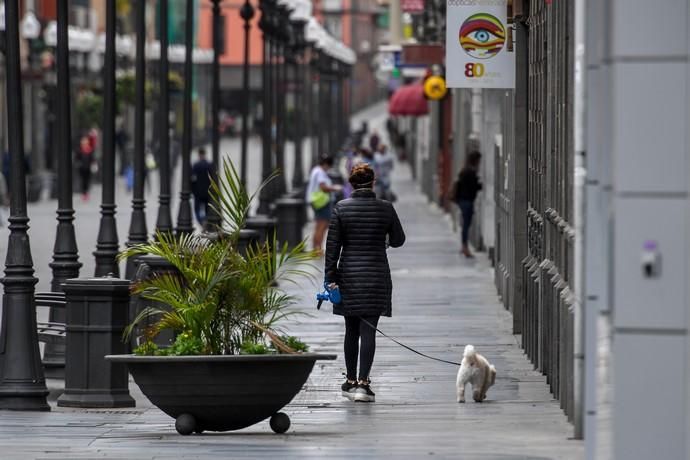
(24, 400)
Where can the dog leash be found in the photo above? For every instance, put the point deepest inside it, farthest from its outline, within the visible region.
(408, 347)
(327, 295)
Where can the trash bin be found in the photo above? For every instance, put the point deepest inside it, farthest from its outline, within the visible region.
(97, 314)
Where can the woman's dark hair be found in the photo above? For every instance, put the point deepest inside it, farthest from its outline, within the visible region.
(362, 176)
(326, 160)
(473, 160)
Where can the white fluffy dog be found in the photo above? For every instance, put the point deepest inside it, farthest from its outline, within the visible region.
(475, 369)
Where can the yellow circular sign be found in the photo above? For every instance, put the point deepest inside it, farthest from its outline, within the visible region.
(435, 87)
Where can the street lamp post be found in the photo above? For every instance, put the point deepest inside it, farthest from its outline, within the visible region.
(299, 18)
(246, 13)
(22, 384)
(274, 101)
(30, 30)
(65, 264)
(333, 115)
(137, 230)
(184, 216)
(339, 107)
(213, 218)
(164, 221)
(262, 222)
(265, 24)
(347, 97)
(311, 35)
(282, 41)
(107, 245)
(308, 94)
(323, 104)
(345, 102)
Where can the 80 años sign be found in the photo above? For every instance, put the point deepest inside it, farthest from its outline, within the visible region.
(477, 51)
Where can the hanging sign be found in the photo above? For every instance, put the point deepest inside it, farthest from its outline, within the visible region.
(477, 51)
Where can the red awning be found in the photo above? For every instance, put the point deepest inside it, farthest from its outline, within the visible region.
(409, 100)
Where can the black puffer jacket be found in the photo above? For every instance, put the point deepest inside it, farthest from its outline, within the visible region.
(356, 253)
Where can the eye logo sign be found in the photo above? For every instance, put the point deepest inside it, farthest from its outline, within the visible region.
(482, 36)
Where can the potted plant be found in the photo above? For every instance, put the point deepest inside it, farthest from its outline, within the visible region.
(230, 365)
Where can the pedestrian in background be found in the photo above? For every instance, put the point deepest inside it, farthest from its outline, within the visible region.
(319, 197)
(202, 170)
(84, 164)
(374, 141)
(361, 229)
(347, 161)
(360, 134)
(464, 193)
(384, 168)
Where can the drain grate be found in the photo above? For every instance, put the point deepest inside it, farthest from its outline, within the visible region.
(115, 411)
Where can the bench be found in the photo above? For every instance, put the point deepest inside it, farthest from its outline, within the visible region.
(52, 333)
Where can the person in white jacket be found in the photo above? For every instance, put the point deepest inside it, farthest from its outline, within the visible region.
(320, 183)
(384, 163)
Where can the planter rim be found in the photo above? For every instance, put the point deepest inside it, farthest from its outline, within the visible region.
(131, 358)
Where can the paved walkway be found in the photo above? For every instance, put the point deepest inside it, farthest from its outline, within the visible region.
(441, 303)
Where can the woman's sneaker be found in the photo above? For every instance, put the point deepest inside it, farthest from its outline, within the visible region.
(363, 393)
(348, 389)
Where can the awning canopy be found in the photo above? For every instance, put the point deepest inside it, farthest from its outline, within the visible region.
(409, 100)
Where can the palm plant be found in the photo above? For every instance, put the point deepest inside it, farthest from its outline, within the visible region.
(217, 297)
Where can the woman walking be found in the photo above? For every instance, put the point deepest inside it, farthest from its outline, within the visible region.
(466, 189)
(319, 197)
(84, 162)
(361, 229)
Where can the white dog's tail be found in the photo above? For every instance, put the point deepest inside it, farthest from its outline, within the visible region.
(493, 374)
(470, 355)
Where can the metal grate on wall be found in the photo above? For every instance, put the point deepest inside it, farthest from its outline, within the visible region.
(534, 194)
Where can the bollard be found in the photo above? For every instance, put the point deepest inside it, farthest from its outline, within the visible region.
(96, 317)
(148, 266)
(247, 238)
(289, 230)
(298, 194)
(265, 225)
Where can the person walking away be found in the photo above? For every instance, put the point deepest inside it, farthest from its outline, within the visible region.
(201, 182)
(465, 190)
(384, 167)
(84, 164)
(361, 229)
(359, 134)
(93, 138)
(347, 161)
(374, 141)
(319, 197)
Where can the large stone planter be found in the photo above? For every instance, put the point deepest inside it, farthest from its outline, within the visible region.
(221, 393)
